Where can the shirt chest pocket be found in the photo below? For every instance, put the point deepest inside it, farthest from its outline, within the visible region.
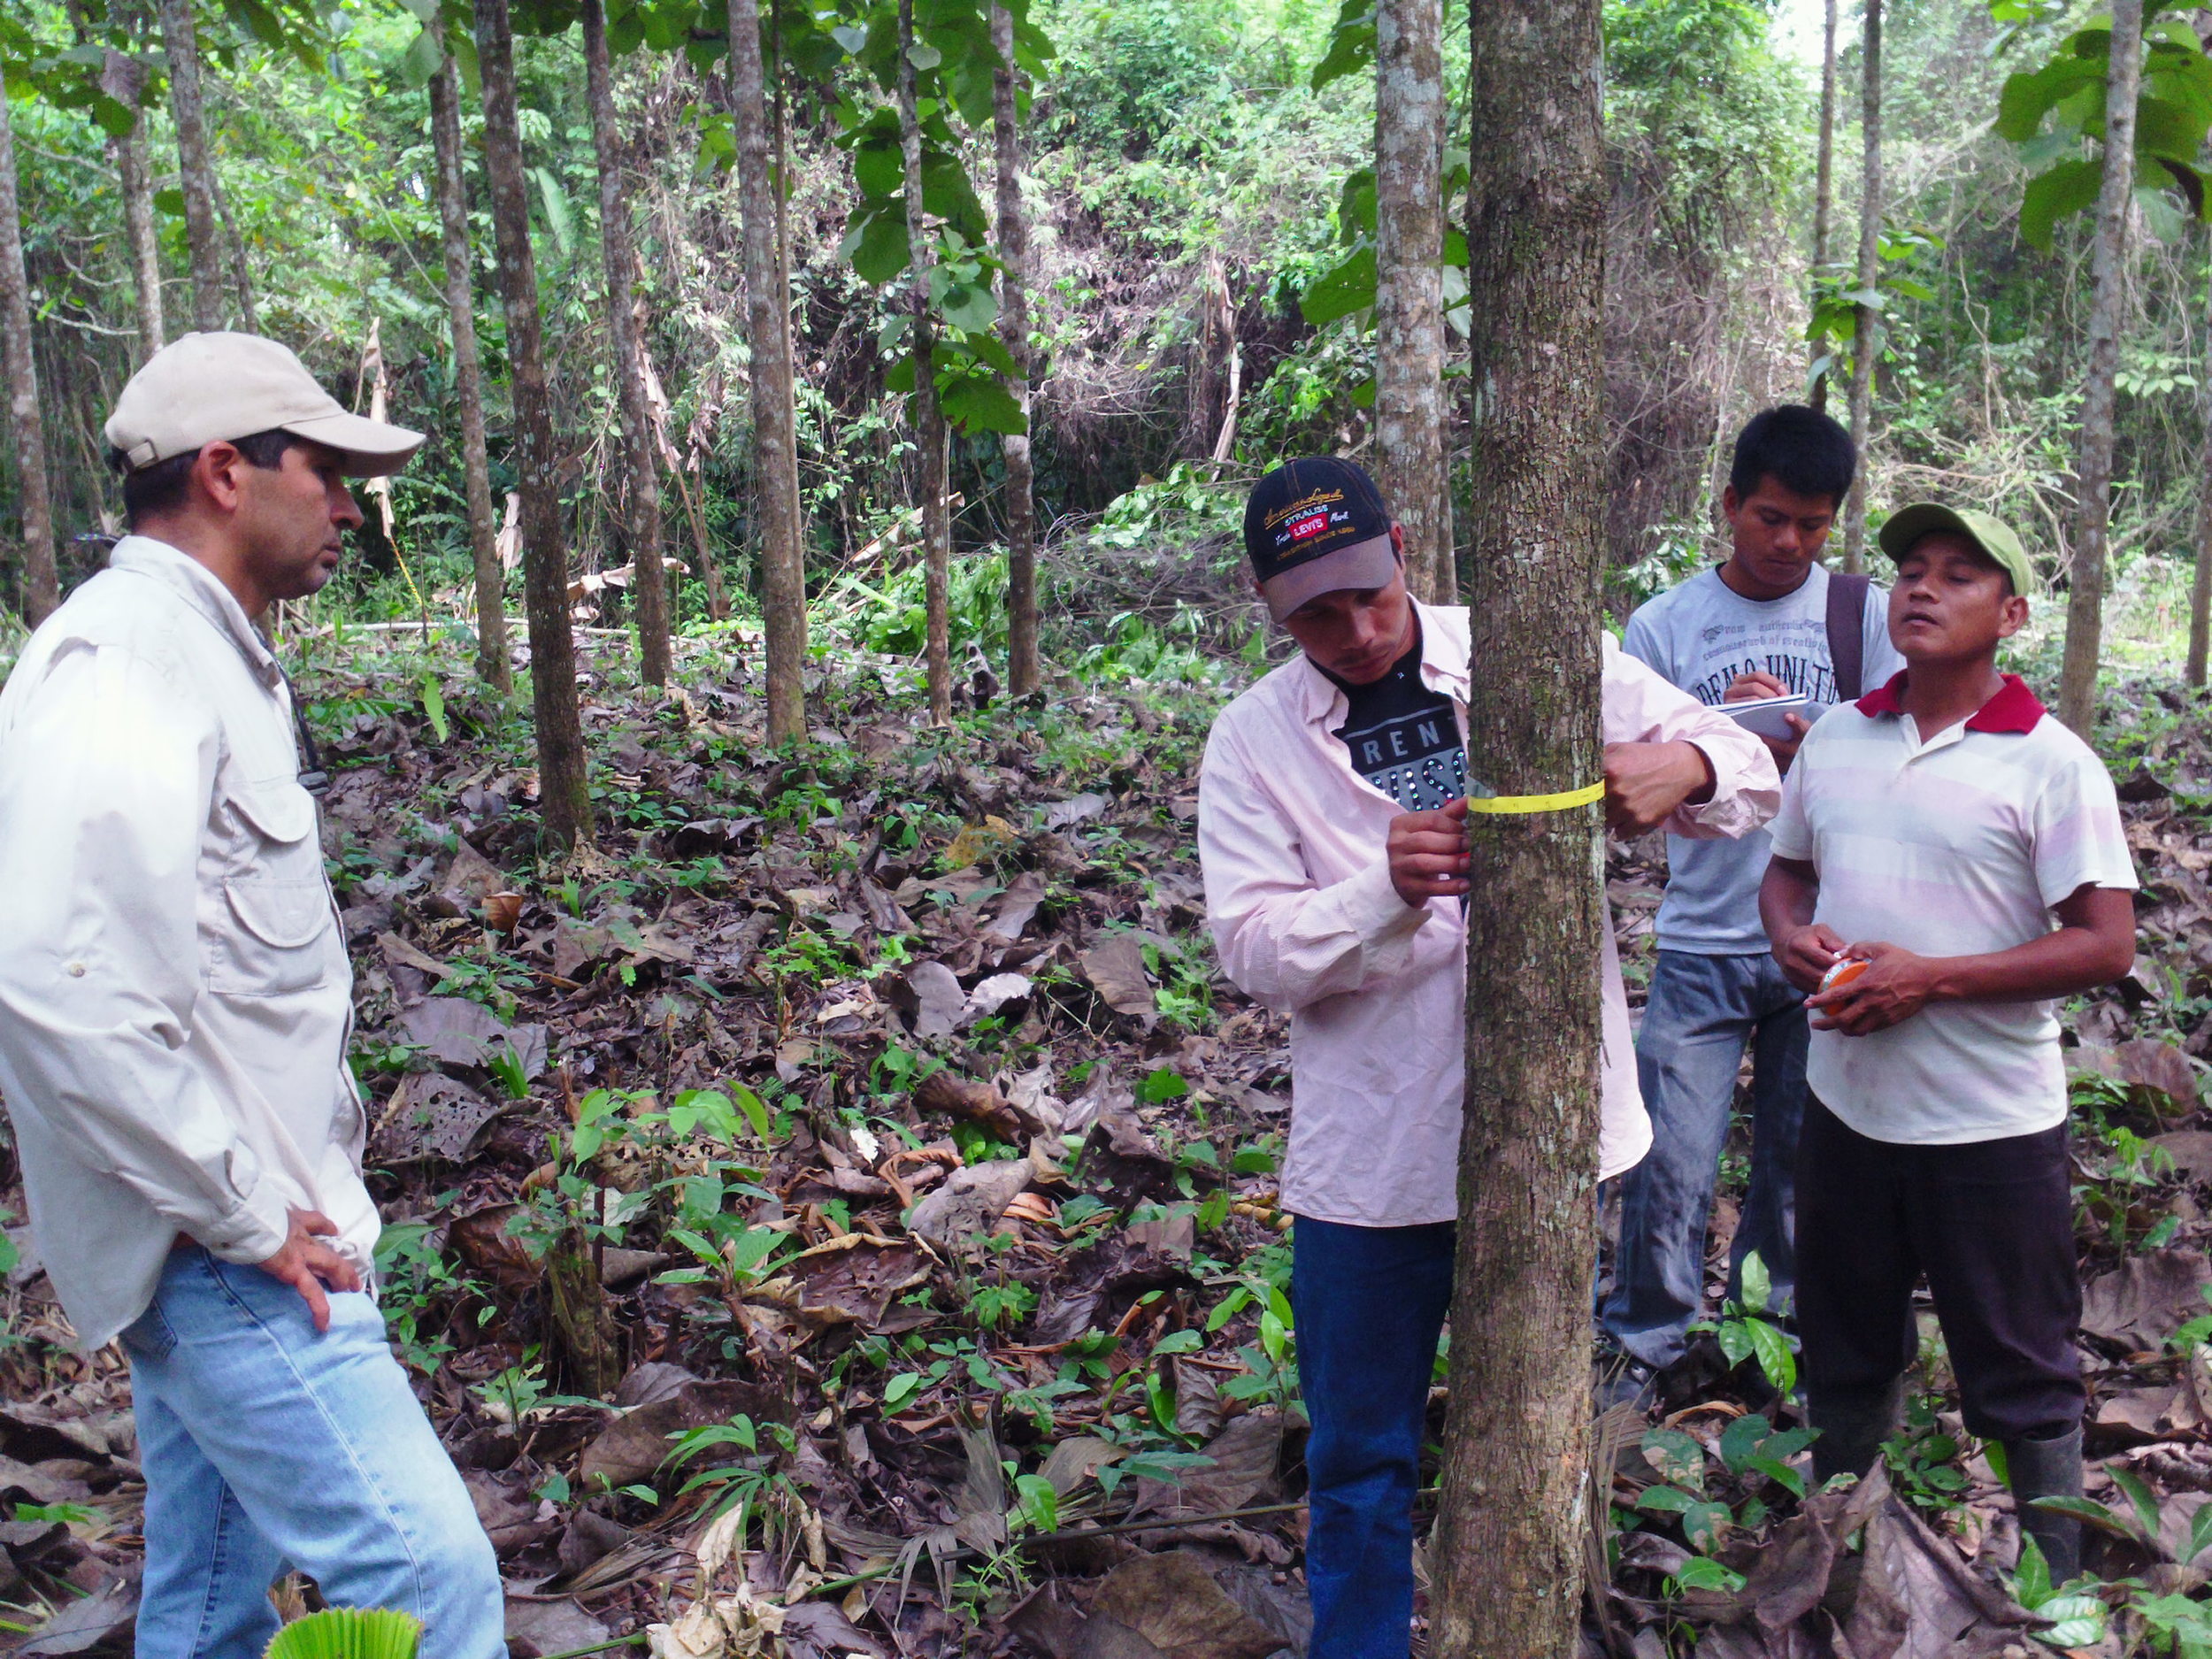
(276, 909)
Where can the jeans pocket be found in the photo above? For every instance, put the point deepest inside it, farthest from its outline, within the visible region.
(150, 1336)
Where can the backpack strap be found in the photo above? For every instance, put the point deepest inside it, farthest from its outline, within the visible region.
(1846, 634)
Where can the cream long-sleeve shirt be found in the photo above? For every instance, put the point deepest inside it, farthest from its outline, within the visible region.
(1305, 921)
(174, 992)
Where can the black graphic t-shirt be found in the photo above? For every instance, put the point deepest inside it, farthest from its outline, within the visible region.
(1404, 738)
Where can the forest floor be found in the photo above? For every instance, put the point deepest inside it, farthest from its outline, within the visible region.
(857, 1146)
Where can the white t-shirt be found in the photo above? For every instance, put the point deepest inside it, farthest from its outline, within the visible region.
(1701, 637)
(1951, 848)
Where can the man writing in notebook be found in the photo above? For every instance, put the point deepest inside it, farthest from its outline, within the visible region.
(1771, 621)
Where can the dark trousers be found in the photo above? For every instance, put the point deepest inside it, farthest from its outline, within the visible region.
(1370, 1304)
(1989, 1224)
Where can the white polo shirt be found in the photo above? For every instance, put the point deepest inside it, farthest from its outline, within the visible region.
(1954, 847)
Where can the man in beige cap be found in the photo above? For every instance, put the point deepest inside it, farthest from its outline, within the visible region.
(175, 1005)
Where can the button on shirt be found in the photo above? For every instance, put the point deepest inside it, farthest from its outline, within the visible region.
(1305, 921)
(174, 992)
(1956, 846)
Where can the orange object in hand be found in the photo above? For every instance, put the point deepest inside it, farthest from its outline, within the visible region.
(1843, 973)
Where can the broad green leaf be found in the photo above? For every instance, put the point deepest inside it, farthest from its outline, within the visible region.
(1758, 1283)
(349, 1632)
(1705, 1523)
(2031, 1584)
(1775, 1470)
(1349, 287)
(2055, 194)
(1775, 1358)
(2090, 1510)
(1351, 44)
(2080, 1621)
(2141, 1497)
(1664, 1501)
(2200, 1534)
(1040, 1503)
(1702, 1572)
(975, 404)
(1676, 1457)
(755, 1109)
(1741, 1440)
(901, 1389)
(1163, 1085)
(2028, 97)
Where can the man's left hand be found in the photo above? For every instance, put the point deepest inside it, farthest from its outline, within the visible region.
(1896, 985)
(1645, 782)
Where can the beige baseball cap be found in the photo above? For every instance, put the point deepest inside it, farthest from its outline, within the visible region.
(215, 388)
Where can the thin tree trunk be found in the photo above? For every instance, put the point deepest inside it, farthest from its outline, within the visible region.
(929, 419)
(180, 39)
(1024, 672)
(249, 314)
(641, 488)
(1409, 287)
(1509, 1539)
(124, 80)
(564, 790)
(775, 464)
(41, 593)
(1866, 333)
(492, 661)
(2201, 594)
(1824, 189)
(2093, 510)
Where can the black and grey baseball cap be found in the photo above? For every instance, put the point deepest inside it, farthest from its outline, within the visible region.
(1317, 526)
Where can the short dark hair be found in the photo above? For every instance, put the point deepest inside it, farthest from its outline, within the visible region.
(1799, 447)
(161, 486)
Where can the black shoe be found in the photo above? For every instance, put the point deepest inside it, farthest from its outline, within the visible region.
(1852, 1428)
(2049, 1469)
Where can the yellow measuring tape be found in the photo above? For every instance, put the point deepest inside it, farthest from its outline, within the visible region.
(1559, 802)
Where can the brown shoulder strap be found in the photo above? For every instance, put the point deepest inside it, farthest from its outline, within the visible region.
(1846, 634)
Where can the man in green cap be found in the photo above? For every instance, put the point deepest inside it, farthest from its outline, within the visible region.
(1948, 863)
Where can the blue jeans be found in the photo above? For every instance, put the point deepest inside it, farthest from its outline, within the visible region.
(1703, 1010)
(267, 1446)
(1369, 1303)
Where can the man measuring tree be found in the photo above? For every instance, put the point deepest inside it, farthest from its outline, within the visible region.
(175, 1005)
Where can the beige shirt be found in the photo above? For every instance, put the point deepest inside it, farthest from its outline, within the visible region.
(174, 992)
(1305, 921)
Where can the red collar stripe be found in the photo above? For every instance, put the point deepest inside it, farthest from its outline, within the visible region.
(2014, 709)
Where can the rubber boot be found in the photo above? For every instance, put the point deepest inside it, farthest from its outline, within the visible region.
(2048, 1468)
(1852, 1428)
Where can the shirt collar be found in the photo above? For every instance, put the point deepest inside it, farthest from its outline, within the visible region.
(199, 587)
(2013, 709)
(1443, 661)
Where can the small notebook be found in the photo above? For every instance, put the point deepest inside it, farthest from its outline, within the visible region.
(1763, 714)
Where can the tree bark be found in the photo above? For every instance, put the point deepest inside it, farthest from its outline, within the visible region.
(2093, 508)
(1866, 328)
(775, 454)
(492, 662)
(41, 592)
(2200, 593)
(929, 418)
(1824, 189)
(124, 80)
(1024, 669)
(1409, 287)
(249, 315)
(180, 39)
(1509, 1538)
(641, 487)
(564, 790)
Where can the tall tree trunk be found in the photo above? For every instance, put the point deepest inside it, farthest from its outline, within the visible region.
(642, 486)
(564, 790)
(41, 593)
(249, 314)
(775, 457)
(1825, 186)
(929, 417)
(124, 80)
(180, 39)
(1866, 327)
(492, 662)
(2201, 594)
(2093, 510)
(1409, 287)
(1024, 670)
(1508, 1538)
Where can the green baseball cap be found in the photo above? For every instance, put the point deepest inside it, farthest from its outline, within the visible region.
(1992, 536)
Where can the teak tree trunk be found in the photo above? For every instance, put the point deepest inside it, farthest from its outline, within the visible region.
(1409, 287)
(180, 39)
(492, 662)
(124, 80)
(640, 476)
(1509, 1538)
(1866, 329)
(775, 452)
(1024, 669)
(41, 593)
(1824, 185)
(2092, 509)
(929, 417)
(2200, 593)
(564, 790)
